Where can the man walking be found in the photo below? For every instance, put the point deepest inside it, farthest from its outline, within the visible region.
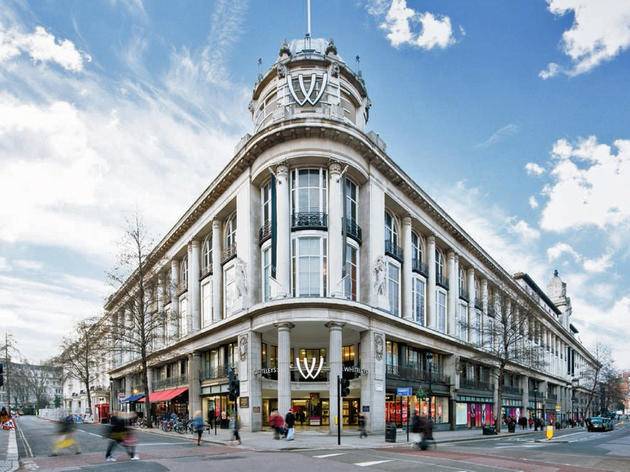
(289, 419)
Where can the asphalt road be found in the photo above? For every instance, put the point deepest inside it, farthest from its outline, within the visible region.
(571, 450)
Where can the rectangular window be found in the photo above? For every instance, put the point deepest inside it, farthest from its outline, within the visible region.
(393, 288)
(352, 198)
(309, 190)
(440, 302)
(266, 274)
(462, 322)
(350, 280)
(266, 203)
(183, 317)
(229, 294)
(309, 267)
(418, 297)
(206, 303)
(348, 355)
(392, 354)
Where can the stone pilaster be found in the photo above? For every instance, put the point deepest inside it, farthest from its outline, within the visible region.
(194, 387)
(335, 366)
(174, 317)
(194, 288)
(283, 264)
(217, 271)
(470, 284)
(250, 345)
(373, 383)
(407, 270)
(284, 367)
(525, 387)
(453, 293)
(431, 314)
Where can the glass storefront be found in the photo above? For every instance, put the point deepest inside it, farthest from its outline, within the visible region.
(474, 415)
(314, 410)
(396, 409)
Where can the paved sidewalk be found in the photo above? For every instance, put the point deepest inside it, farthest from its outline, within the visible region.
(309, 439)
(8, 451)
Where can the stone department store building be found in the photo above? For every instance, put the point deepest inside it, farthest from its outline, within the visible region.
(313, 255)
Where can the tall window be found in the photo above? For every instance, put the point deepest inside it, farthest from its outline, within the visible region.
(393, 288)
(309, 190)
(419, 287)
(462, 322)
(391, 229)
(230, 232)
(391, 356)
(352, 200)
(266, 273)
(351, 279)
(206, 302)
(183, 272)
(229, 287)
(309, 266)
(440, 301)
(462, 281)
(417, 249)
(266, 203)
(206, 254)
(439, 263)
(183, 316)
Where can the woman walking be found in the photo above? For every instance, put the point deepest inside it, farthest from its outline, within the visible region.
(197, 423)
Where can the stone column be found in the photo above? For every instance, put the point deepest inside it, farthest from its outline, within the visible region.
(173, 322)
(284, 367)
(431, 315)
(194, 288)
(470, 284)
(407, 270)
(335, 365)
(335, 239)
(373, 240)
(250, 345)
(484, 303)
(373, 383)
(160, 307)
(453, 293)
(451, 366)
(217, 271)
(525, 387)
(284, 217)
(194, 387)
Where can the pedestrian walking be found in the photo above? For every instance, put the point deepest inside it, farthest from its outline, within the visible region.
(197, 424)
(4, 416)
(119, 435)
(362, 426)
(65, 438)
(289, 420)
(212, 418)
(416, 429)
(276, 422)
(236, 437)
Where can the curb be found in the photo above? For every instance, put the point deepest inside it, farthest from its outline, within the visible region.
(12, 462)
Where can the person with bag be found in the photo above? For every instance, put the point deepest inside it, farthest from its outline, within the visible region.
(276, 422)
(289, 420)
(119, 436)
(197, 425)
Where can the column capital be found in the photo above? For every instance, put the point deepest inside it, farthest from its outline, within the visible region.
(450, 255)
(284, 326)
(471, 271)
(334, 325)
(282, 170)
(431, 239)
(406, 221)
(216, 224)
(334, 167)
(195, 243)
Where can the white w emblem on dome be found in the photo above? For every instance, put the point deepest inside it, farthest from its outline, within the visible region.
(316, 87)
(310, 370)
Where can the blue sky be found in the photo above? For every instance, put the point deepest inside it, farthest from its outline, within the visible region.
(514, 116)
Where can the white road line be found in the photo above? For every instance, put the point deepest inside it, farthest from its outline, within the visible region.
(330, 455)
(369, 463)
(92, 434)
(29, 451)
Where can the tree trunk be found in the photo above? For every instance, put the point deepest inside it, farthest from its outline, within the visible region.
(145, 387)
(89, 395)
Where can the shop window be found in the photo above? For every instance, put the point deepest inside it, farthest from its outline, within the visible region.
(348, 355)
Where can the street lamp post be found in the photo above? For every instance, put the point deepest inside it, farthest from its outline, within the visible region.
(575, 382)
(430, 362)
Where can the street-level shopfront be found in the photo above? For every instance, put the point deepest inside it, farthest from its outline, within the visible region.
(474, 411)
(314, 410)
(214, 398)
(513, 408)
(397, 407)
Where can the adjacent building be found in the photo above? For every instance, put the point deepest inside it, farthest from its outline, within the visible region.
(313, 256)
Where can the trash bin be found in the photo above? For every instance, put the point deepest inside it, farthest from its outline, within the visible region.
(489, 430)
(511, 427)
(390, 433)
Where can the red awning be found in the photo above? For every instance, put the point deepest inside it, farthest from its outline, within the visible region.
(166, 395)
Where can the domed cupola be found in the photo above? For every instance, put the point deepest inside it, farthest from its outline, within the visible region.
(309, 80)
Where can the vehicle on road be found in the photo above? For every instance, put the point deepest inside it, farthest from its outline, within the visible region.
(597, 423)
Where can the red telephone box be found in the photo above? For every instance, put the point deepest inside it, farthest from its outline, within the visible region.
(103, 412)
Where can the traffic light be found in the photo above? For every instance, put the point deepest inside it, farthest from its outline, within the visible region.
(344, 387)
(1, 375)
(234, 389)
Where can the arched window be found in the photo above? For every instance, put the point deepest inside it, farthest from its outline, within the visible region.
(229, 232)
(462, 280)
(183, 272)
(206, 255)
(417, 248)
(391, 229)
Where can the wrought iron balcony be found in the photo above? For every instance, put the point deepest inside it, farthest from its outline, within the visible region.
(228, 253)
(393, 250)
(353, 230)
(510, 390)
(420, 267)
(479, 303)
(210, 372)
(264, 233)
(205, 271)
(413, 373)
(309, 220)
(170, 382)
(474, 384)
(463, 294)
(442, 281)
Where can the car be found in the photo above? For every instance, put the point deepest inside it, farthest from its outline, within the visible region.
(597, 423)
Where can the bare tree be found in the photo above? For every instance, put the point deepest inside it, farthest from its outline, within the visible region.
(591, 376)
(141, 328)
(82, 353)
(507, 337)
(7, 350)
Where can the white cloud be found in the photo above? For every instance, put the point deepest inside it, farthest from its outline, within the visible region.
(600, 31)
(499, 135)
(525, 231)
(599, 264)
(403, 25)
(28, 264)
(534, 169)
(40, 46)
(4, 265)
(533, 203)
(589, 185)
(556, 251)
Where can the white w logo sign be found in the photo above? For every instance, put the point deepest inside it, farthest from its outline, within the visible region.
(307, 94)
(310, 370)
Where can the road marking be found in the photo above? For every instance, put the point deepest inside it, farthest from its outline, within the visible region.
(369, 463)
(163, 443)
(93, 434)
(29, 451)
(330, 455)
